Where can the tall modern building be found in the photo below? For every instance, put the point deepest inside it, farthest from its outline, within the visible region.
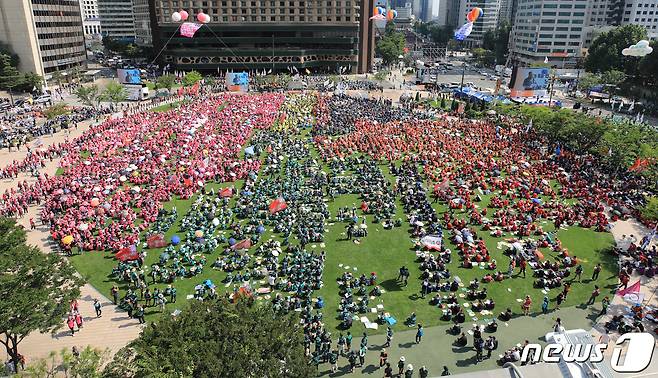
(117, 19)
(142, 23)
(91, 22)
(640, 12)
(487, 21)
(561, 31)
(324, 35)
(47, 35)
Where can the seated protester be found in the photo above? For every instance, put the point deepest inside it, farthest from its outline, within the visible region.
(487, 278)
(459, 317)
(436, 300)
(489, 304)
(492, 326)
(492, 265)
(454, 286)
(319, 303)
(411, 320)
(461, 340)
(507, 315)
(499, 276)
(455, 329)
(376, 291)
(477, 306)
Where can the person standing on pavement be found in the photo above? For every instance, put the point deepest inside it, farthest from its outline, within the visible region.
(419, 334)
(97, 307)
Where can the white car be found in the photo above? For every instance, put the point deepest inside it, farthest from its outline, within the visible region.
(42, 99)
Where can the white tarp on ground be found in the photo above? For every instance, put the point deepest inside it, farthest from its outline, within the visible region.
(431, 241)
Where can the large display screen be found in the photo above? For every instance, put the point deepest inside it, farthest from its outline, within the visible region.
(237, 81)
(530, 82)
(131, 76)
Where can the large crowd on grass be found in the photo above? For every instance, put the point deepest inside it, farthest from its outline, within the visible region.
(493, 176)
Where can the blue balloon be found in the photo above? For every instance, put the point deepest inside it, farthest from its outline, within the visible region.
(231, 241)
(260, 229)
(175, 240)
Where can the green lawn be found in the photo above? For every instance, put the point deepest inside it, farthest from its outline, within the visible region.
(384, 252)
(166, 107)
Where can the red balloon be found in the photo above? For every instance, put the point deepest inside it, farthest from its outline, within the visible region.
(184, 15)
(201, 17)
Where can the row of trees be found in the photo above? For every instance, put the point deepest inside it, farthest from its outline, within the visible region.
(617, 144)
(129, 50)
(92, 95)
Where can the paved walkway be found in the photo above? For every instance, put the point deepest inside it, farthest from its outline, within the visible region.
(113, 329)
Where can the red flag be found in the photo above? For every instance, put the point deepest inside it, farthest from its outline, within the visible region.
(634, 288)
(226, 192)
(189, 28)
(181, 91)
(156, 241)
(195, 88)
(245, 244)
(639, 165)
(278, 205)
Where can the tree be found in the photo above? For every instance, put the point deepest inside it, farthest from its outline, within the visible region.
(58, 77)
(89, 95)
(131, 50)
(166, 81)
(114, 92)
(484, 57)
(56, 110)
(612, 79)
(10, 78)
(31, 81)
(391, 45)
(86, 365)
(218, 339)
(14, 59)
(605, 52)
(650, 209)
(648, 68)
(36, 288)
(191, 78)
(496, 40)
(587, 81)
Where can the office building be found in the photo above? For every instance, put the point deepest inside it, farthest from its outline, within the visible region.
(452, 8)
(561, 31)
(550, 30)
(640, 12)
(142, 23)
(117, 19)
(507, 11)
(323, 36)
(47, 35)
(487, 21)
(91, 23)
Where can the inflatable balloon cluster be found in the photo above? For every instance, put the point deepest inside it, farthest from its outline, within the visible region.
(183, 16)
(379, 13)
(392, 13)
(474, 14)
(465, 30)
